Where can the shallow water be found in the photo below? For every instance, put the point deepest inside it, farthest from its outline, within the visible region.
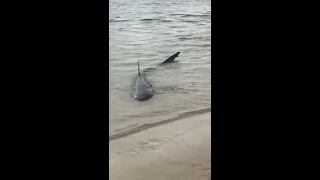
(152, 31)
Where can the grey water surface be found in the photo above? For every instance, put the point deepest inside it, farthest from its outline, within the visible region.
(151, 31)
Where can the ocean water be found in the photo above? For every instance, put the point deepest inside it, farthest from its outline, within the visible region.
(151, 31)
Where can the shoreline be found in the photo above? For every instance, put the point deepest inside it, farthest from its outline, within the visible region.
(177, 150)
(146, 126)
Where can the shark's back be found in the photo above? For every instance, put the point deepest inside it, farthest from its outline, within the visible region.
(143, 90)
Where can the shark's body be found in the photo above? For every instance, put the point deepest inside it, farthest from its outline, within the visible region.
(142, 89)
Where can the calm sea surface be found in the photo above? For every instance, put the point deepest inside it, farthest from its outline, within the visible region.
(151, 31)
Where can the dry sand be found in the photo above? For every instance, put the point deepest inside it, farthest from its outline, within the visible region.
(179, 150)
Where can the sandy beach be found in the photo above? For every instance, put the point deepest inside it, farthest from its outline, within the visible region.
(180, 150)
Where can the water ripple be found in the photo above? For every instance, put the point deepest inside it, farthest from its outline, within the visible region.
(151, 32)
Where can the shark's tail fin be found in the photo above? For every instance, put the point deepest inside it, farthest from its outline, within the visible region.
(171, 58)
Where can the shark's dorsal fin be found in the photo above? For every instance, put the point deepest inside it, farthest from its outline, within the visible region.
(139, 70)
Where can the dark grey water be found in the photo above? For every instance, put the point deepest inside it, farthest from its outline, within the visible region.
(152, 31)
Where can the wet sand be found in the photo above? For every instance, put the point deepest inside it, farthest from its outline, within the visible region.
(180, 150)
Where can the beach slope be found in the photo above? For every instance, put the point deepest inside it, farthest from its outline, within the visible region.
(180, 150)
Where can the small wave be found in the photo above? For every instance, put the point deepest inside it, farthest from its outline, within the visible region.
(150, 19)
(191, 15)
(196, 15)
(166, 20)
(176, 14)
(199, 38)
(176, 26)
(118, 20)
(198, 45)
(180, 90)
(192, 21)
(185, 38)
